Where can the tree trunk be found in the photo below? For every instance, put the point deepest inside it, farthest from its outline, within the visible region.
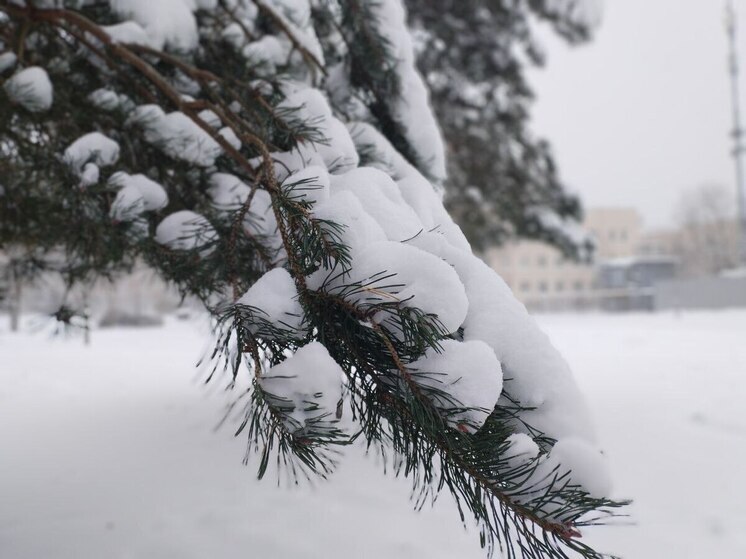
(14, 298)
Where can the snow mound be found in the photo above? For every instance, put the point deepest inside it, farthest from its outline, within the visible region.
(310, 184)
(276, 296)
(177, 135)
(7, 61)
(360, 229)
(128, 32)
(412, 107)
(168, 23)
(469, 373)
(91, 148)
(30, 88)
(185, 230)
(310, 382)
(536, 374)
(227, 192)
(396, 272)
(137, 194)
(522, 449)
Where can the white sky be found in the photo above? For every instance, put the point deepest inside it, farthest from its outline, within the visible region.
(643, 112)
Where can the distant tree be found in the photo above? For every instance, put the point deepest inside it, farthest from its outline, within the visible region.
(502, 180)
(707, 242)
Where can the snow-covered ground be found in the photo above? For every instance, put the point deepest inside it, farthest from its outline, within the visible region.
(110, 451)
(668, 393)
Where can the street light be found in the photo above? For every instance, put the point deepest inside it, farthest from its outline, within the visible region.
(738, 132)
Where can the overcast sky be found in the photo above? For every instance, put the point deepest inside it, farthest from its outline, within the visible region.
(643, 112)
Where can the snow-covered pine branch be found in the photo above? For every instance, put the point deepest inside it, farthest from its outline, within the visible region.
(235, 146)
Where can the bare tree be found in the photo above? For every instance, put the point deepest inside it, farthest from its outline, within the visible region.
(708, 238)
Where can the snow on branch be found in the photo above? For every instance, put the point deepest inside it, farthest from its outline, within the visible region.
(335, 284)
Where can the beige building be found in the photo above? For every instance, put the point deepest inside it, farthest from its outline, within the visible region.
(616, 231)
(542, 278)
(660, 242)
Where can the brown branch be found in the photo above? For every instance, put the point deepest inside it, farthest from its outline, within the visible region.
(236, 227)
(22, 40)
(254, 350)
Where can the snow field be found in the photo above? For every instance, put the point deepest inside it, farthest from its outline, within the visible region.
(666, 393)
(111, 451)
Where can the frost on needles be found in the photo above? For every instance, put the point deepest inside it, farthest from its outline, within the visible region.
(241, 150)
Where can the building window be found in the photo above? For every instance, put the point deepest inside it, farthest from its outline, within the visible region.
(559, 287)
(543, 287)
(525, 286)
(542, 261)
(578, 285)
(525, 261)
(612, 235)
(623, 234)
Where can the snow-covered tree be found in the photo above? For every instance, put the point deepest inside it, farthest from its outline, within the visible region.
(502, 181)
(275, 159)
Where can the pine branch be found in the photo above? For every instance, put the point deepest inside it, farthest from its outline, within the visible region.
(369, 330)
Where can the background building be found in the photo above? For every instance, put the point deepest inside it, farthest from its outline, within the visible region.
(616, 231)
(631, 268)
(543, 279)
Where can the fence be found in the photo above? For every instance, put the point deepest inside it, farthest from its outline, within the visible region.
(701, 293)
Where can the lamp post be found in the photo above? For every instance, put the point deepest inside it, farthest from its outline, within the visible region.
(738, 132)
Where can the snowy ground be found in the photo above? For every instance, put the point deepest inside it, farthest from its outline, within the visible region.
(668, 394)
(109, 451)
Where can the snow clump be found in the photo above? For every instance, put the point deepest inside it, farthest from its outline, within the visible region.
(7, 61)
(94, 148)
(186, 230)
(30, 88)
(137, 194)
(276, 297)
(177, 135)
(308, 384)
(469, 373)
